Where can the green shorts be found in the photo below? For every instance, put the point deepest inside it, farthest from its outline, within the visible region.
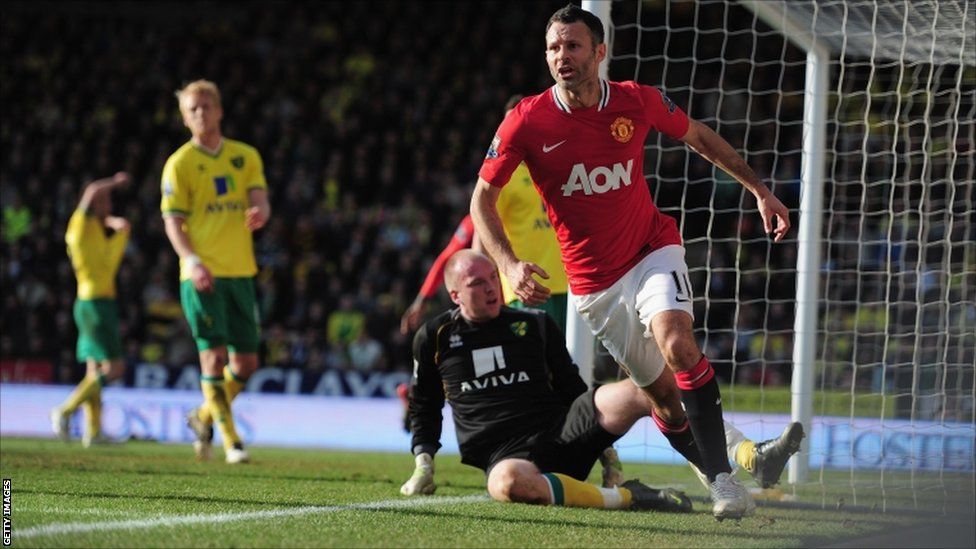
(555, 306)
(98, 329)
(225, 317)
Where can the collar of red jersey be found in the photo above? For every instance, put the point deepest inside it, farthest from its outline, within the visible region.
(604, 98)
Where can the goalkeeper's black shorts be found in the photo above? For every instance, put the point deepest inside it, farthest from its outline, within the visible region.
(571, 445)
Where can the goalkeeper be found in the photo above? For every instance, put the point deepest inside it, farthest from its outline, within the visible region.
(522, 412)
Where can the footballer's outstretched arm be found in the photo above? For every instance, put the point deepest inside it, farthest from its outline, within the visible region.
(99, 186)
(719, 152)
(488, 226)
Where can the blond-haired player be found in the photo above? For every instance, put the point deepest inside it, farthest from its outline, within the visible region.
(214, 195)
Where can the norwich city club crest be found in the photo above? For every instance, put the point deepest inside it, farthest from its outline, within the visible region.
(622, 129)
(237, 162)
(519, 328)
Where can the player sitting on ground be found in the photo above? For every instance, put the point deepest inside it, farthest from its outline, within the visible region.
(534, 414)
(522, 412)
(523, 210)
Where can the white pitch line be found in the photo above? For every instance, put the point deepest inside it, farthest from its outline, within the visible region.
(179, 520)
(66, 511)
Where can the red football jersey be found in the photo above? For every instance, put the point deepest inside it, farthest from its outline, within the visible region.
(588, 164)
(463, 237)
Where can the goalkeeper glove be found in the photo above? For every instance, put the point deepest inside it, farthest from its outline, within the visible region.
(422, 480)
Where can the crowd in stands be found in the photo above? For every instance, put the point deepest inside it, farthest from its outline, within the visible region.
(372, 119)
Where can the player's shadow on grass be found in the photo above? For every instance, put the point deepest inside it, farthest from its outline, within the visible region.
(708, 523)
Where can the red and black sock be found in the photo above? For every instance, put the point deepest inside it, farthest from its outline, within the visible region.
(681, 439)
(703, 403)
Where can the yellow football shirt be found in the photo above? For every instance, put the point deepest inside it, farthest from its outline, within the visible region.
(211, 192)
(94, 256)
(528, 228)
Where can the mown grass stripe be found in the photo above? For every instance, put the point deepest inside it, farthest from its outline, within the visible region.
(180, 520)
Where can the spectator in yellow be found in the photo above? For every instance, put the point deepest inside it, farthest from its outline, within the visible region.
(16, 220)
(345, 324)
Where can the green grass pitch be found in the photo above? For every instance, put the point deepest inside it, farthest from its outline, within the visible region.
(142, 494)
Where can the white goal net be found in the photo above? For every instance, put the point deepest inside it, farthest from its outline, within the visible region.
(895, 339)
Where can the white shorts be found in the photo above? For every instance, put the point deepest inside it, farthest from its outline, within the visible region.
(621, 315)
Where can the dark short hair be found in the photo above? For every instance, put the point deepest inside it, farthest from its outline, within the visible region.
(512, 101)
(573, 13)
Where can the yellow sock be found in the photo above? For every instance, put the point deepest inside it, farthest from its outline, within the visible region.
(93, 414)
(570, 492)
(92, 384)
(745, 454)
(233, 385)
(215, 399)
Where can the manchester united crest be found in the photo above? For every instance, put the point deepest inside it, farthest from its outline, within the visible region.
(622, 129)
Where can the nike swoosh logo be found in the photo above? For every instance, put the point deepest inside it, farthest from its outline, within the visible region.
(681, 299)
(547, 148)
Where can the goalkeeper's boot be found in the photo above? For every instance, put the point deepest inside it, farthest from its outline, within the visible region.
(203, 445)
(421, 482)
(236, 454)
(645, 498)
(61, 424)
(770, 456)
(730, 499)
(613, 470)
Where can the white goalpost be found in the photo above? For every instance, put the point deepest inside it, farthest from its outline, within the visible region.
(811, 214)
(860, 115)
